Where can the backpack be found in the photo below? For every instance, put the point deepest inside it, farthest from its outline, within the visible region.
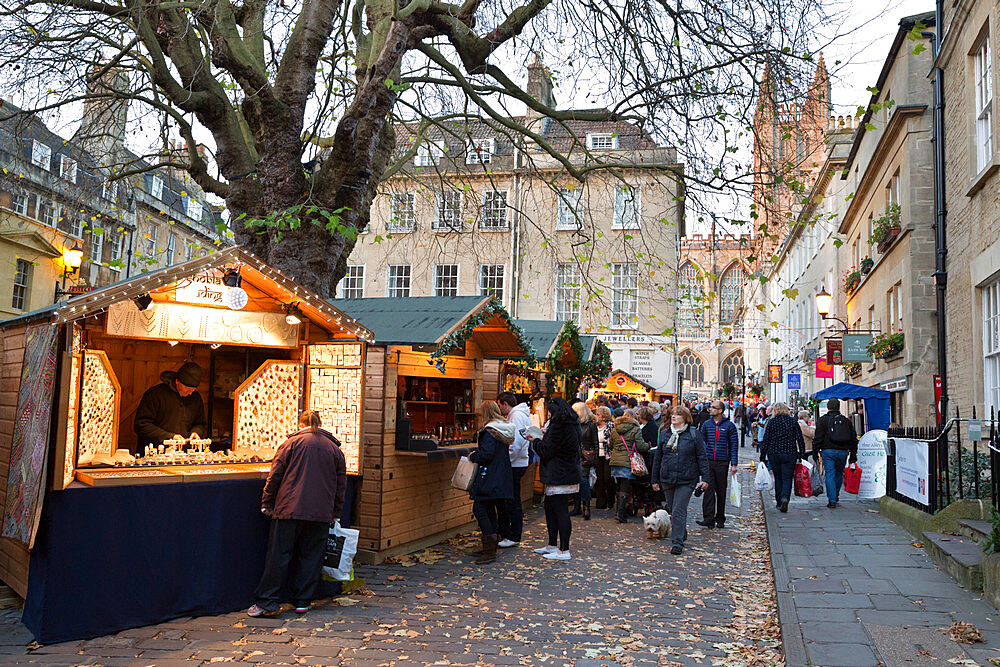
(840, 430)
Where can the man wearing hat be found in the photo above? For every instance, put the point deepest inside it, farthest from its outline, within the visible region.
(171, 409)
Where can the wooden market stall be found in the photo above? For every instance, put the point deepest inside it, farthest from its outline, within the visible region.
(425, 379)
(620, 384)
(103, 532)
(562, 360)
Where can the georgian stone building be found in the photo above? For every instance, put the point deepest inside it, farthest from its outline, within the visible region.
(476, 211)
(968, 56)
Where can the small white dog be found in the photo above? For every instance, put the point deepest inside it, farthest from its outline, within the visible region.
(657, 524)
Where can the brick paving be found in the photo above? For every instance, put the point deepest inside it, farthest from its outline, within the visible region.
(854, 589)
(622, 600)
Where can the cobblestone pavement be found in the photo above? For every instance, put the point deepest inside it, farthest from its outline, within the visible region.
(855, 589)
(621, 600)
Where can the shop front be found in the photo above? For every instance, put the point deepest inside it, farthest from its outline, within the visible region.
(110, 522)
(433, 363)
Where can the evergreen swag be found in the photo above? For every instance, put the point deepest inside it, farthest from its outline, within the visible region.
(585, 369)
(457, 339)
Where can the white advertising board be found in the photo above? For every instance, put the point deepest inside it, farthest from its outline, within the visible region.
(873, 461)
(912, 470)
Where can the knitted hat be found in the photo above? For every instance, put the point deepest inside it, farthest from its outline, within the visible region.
(189, 374)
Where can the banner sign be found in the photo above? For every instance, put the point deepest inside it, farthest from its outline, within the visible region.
(774, 373)
(197, 324)
(835, 351)
(912, 470)
(823, 369)
(937, 397)
(795, 381)
(855, 347)
(872, 460)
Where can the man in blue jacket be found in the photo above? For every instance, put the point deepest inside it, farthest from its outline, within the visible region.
(722, 445)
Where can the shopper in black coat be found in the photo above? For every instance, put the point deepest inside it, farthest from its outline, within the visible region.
(588, 456)
(679, 465)
(494, 483)
(782, 446)
(559, 454)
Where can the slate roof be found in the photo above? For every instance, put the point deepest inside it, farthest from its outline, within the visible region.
(415, 320)
(542, 334)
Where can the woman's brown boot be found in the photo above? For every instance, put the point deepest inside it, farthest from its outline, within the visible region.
(489, 554)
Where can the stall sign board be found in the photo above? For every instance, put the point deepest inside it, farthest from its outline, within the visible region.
(774, 373)
(641, 364)
(835, 351)
(198, 324)
(856, 348)
(975, 430)
(795, 381)
(206, 288)
(912, 470)
(824, 370)
(872, 461)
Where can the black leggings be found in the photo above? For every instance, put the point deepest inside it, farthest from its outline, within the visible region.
(486, 513)
(557, 519)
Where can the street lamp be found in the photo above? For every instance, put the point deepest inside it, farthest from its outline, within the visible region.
(72, 261)
(823, 303)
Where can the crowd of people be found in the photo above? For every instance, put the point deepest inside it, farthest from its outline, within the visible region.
(626, 456)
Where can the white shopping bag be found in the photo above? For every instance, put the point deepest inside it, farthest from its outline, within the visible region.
(762, 481)
(592, 476)
(735, 491)
(341, 545)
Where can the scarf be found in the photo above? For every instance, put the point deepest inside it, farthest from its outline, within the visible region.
(674, 436)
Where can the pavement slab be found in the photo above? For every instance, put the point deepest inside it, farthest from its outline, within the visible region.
(871, 597)
(621, 600)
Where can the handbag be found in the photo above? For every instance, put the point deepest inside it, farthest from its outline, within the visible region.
(588, 457)
(639, 468)
(465, 474)
(852, 478)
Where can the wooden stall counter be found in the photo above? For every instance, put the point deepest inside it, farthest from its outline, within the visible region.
(172, 474)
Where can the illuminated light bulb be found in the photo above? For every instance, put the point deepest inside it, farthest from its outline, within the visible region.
(173, 342)
(236, 298)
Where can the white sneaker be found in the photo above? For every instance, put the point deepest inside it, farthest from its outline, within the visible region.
(504, 543)
(547, 549)
(557, 555)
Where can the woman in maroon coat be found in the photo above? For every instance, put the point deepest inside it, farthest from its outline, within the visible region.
(303, 495)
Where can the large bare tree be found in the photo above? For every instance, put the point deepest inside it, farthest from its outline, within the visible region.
(299, 100)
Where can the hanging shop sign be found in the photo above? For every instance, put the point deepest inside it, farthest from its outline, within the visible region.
(198, 324)
(855, 348)
(774, 373)
(824, 370)
(835, 351)
(795, 381)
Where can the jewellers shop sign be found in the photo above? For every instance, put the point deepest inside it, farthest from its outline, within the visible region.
(205, 288)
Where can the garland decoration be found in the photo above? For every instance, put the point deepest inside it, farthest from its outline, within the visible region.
(457, 339)
(584, 369)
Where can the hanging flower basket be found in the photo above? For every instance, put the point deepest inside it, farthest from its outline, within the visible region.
(852, 370)
(886, 228)
(866, 265)
(851, 281)
(884, 346)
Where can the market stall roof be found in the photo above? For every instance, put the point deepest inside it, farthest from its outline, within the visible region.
(620, 373)
(876, 401)
(440, 321)
(542, 334)
(253, 270)
(590, 344)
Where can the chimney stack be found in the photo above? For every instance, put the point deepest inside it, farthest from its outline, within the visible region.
(540, 82)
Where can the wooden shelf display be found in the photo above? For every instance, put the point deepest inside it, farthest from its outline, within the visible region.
(100, 401)
(266, 408)
(334, 382)
(69, 457)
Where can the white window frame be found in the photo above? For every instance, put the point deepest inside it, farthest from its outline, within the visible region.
(628, 207)
(117, 250)
(193, 209)
(625, 295)
(429, 154)
(602, 141)
(156, 187)
(109, 190)
(569, 287)
(19, 203)
(96, 247)
(171, 249)
(892, 192)
(352, 285)
(188, 251)
(67, 168)
(492, 279)
(495, 211)
(991, 345)
(448, 215)
(41, 155)
(154, 231)
(398, 283)
(402, 212)
(22, 280)
(47, 212)
(568, 209)
(983, 75)
(446, 280)
(480, 152)
(75, 223)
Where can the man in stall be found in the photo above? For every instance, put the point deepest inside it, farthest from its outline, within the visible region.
(172, 409)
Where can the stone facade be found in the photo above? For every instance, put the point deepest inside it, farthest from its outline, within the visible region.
(477, 212)
(890, 169)
(972, 190)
